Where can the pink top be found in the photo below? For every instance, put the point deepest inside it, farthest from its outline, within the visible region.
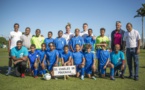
(117, 38)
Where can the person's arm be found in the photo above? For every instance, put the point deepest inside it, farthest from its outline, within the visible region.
(123, 61)
(83, 62)
(44, 58)
(124, 42)
(17, 60)
(57, 59)
(106, 64)
(138, 46)
(29, 64)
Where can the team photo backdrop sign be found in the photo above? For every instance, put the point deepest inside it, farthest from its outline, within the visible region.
(64, 70)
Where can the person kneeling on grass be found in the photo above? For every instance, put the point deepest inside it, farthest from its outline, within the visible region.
(42, 58)
(79, 61)
(33, 60)
(66, 58)
(90, 66)
(19, 56)
(103, 56)
(52, 58)
(118, 60)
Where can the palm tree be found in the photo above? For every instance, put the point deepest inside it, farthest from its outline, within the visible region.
(141, 13)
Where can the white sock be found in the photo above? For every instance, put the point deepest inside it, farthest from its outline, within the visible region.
(9, 69)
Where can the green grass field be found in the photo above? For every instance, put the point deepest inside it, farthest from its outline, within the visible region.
(29, 83)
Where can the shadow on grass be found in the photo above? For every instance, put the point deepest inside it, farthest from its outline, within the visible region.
(142, 66)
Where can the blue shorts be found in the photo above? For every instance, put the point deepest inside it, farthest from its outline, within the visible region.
(78, 69)
(88, 69)
(32, 66)
(102, 69)
(50, 67)
(60, 52)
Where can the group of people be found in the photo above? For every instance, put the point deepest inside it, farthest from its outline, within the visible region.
(81, 49)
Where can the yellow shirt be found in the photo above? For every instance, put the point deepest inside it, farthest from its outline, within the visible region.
(37, 41)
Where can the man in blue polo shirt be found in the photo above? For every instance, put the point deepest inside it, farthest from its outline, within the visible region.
(118, 60)
(19, 56)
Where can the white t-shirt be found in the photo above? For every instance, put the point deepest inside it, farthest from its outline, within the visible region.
(84, 33)
(67, 36)
(14, 37)
(131, 38)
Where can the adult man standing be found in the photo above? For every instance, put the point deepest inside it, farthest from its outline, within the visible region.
(132, 41)
(37, 40)
(68, 35)
(117, 36)
(19, 56)
(26, 38)
(84, 33)
(13, 38)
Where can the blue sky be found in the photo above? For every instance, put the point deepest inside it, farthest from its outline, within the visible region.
(53, 15)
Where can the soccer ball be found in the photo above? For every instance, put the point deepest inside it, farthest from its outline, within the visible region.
(47, 76)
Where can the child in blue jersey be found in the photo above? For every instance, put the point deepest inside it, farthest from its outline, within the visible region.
(48, 40)
(66, 58)
(60, 42)
(103, 57)
(52, 58)
(77, 39)
(79, 61)
(42, 59)
(90, 66)
(90, 39)
(33, 60)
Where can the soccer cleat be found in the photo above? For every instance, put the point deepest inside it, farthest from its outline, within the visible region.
(122, 76)
(22, 75)
(8, 73)
(93, 77)
(112, 78)
(130, 77)
(82, 77)
(56, 78)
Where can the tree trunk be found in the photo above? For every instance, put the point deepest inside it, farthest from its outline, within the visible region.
(142, 34)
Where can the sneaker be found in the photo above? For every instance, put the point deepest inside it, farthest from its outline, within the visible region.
(130, 77)
(112, 78)
(136, 78)
(122, 76)
(8, 73)
(82, 77)
(56, 78)
(93, 77)
(22, 75)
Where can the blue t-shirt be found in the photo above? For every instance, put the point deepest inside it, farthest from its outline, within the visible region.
(41, 54)
(66, 56)
(76, 40)
(117, 58)
(18, 53)
(103, 56)
(89, 40)
(89, 58)
(47, 41)
(52, 56)
(32, 57)
(77, 57)
(59, 43)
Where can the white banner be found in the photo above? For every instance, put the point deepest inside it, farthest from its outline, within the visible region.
(64, 70)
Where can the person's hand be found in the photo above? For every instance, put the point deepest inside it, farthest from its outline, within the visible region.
(15, 62)
(122, 67)
(138, 51)
(105, 67)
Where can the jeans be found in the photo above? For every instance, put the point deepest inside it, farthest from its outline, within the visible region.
(131, 54)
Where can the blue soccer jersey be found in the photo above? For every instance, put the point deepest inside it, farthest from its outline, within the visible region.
(117, 58)
(103, 56)
(66, 56)
(77, 58)
(52, 56)
(32, 57)
(59, 43)
(41, 54)
(89, 58)
(47, 41)
(76, 40)
(89, 40)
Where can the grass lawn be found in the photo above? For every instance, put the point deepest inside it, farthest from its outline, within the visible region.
(29, 83)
